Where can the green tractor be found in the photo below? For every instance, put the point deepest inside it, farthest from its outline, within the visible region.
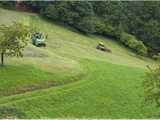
(38, 39)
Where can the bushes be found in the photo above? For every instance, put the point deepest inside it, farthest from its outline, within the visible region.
(7, 4)
(131, 42)
(152, 85)
(104, 28)
(86, 25)
(110, 31)
(156, 57)
(51, 12)
(77, 14)
(99, 25)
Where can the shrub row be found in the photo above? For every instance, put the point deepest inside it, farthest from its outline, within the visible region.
(131, 42)
(103, 28)
(156, 57)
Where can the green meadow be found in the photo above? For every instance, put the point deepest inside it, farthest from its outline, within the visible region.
(70, 78)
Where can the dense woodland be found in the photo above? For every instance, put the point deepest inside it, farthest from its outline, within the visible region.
(135, 24)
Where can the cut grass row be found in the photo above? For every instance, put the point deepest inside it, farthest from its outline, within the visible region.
(107, 91)
(16, 79)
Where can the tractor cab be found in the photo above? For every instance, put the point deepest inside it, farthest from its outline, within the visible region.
(38, 39)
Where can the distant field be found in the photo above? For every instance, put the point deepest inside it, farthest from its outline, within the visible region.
(70, 78)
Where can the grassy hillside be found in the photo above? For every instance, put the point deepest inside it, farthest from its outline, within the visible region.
(70, 78)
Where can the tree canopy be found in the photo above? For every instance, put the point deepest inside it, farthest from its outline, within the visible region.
(152, 85)
(14, 38)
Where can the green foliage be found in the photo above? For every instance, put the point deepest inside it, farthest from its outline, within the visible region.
(99, 25)
(13, 39)
(156, 57)
(77, 14)
(55, 12)
(131, 42)
(138, 18)
(152, 85)
(141, 49)
(7, 4)
(36, 6)
(86, 25)
(109, 30)
(104, 28)
(152, 35)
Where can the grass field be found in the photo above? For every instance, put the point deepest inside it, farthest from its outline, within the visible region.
(70, 78)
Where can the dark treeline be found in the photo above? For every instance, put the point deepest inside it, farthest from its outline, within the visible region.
(135, 24)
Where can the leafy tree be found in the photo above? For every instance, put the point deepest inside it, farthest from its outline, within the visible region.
(152, 85)
(13, 39)
(86, 25)
(74, 13)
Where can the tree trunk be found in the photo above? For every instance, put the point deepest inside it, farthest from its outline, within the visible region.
(2, 58)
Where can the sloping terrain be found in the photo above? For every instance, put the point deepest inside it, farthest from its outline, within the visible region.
(70, 77)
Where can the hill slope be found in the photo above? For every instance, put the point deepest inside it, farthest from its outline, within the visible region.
(70, 78)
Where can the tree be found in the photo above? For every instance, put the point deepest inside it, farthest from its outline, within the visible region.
(86, 25)
(152, 85)
(13, 39)
(77, 14)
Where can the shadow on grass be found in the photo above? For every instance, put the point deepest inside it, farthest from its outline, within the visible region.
(10, 113)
